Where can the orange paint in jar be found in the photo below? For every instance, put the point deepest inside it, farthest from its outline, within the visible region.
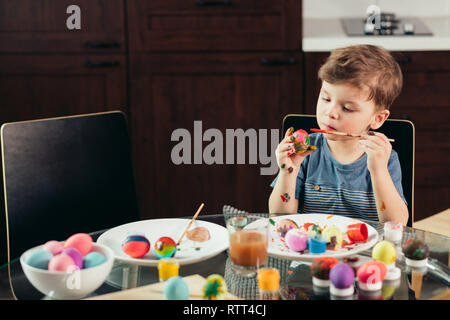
(248, 248)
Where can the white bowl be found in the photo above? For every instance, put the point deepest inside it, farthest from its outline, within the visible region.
(69, 285)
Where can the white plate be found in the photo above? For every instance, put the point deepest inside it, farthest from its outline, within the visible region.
(279, 249)
(187, 252)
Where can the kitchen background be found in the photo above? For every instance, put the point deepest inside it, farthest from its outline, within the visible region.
(229, 63)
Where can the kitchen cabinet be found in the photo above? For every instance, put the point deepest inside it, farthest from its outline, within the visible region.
(231, 64)
(223, 91)
(425, 100)
(214, 25)
(39, 26)
(42, 86)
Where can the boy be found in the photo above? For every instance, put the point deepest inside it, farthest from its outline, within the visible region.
(355, 177)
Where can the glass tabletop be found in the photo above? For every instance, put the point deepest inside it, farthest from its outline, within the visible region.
(430, 282)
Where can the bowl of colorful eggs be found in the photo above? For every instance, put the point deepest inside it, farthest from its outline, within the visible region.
(70, 269)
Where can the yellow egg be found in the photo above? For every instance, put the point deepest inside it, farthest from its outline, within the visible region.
(384, 251)
(333, 231)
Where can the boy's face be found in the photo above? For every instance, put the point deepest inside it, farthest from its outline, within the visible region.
(343, 107)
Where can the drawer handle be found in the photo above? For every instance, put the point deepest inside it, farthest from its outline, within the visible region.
(203, 3)
(102, 64)
(278, 62)
(101, 45)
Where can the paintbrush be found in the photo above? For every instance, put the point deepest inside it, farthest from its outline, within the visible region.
(193, 218)
(343, 133)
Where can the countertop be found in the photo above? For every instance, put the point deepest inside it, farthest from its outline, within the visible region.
(326, 34)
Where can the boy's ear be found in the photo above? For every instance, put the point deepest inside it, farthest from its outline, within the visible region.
(379, 119)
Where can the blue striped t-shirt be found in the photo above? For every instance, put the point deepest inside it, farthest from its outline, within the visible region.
(326, 186)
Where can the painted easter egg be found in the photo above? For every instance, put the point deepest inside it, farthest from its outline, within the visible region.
(55, 247)
(371, 275)
(342, 276)
(321, 266)
(165, 247)
(62, 262)
(284, 225)
(296, 240)
(215, 288)
(300, 138)
(136, 246)
(176, 289)
(415, 249)
(80, 241)
(312, 229)
(93, 259)
(75, 255)
(333, 236)
(39, 258)
(384, 251)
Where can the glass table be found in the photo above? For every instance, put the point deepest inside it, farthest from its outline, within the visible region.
(431, 282)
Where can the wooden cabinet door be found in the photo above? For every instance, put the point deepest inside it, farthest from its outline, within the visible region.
(214, 25)
(41, 86)
(223, 91)
(40, 26)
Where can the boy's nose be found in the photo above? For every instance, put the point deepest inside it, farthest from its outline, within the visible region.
(332, 111)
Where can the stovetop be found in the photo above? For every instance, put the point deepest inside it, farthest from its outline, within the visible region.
(387, 25)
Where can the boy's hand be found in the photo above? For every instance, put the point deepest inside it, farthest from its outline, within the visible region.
(378, 150)
(286, 156)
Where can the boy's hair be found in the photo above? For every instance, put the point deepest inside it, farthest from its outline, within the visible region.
(365, 67)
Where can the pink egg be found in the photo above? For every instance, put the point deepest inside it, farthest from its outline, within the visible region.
(61, 262)
(296, 240)
(55, 247)
(80, 241)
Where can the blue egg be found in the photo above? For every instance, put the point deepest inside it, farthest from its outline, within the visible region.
(176, 289)
(39, 258)
(317, 244)
(93, 259)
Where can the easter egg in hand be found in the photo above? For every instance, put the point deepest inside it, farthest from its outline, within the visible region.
(165, 247)
(300, 138)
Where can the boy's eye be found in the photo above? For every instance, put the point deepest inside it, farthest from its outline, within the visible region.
(326, 99)
(346, 109)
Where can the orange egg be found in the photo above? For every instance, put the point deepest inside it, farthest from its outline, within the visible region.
(80, 241)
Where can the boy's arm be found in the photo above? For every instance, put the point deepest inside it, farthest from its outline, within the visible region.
(390, 205)
(285, 184)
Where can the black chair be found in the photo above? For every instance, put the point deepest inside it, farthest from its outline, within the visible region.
(63, 176)
(402, 131)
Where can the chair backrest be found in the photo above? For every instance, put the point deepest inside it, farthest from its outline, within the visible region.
(402, 131)
(66, 175)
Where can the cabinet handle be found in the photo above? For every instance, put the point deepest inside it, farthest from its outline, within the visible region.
(203, 3)
(102, 64)
(278, 62)
(101, 45)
